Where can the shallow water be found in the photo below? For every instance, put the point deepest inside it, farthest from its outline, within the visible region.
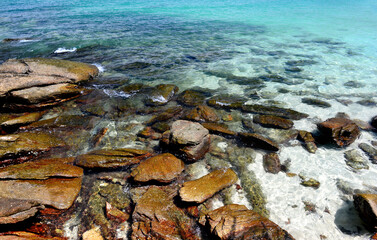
(322, 49)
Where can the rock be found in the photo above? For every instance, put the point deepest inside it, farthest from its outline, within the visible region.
(39, 82)
(40, 170)
(113, 213)
(16, 210)
(202, 113)
(258, 141)
(148, 132)
(156, 217)
(161, 95)
(132, 89)
(23, 146)
(363, 125)
(187, 133)
(59, 193)
(366, 205)
(271, 163)
(25, 119)
(191, 98)
(279, 136)
(220, 129)
(64, 122)
(311, 182)
(341, 131)
(374, 122)
(205, 187)
(276, 111)
(273, 121)
(309, 141)
(162, 168)
(135, 66)
(121, 157)
(355, 160)
(370, 151)
(226, 101)
(166, 115)
(92, 234)
(19, 235)
(237, 222)
(316, 102)
(196, 152)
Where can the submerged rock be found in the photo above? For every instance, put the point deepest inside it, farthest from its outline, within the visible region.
(191, 98)
(168, 114)
(14, 123)
(366, 205)
(273, 121)
(161, 94)
(205, 187)
(355, 160)
(162, 168)
(221, 129)
(226, 101)
(202, 113)
(17, 210)
(271, 163)
(341, 131)
(258, 141)
(316, 102)
(276, 111)
(121, 157)
(237, 222)
(370, 151)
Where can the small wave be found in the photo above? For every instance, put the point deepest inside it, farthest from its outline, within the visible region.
(114, 93)
(99, 66)
(27, 40)
(65, 50)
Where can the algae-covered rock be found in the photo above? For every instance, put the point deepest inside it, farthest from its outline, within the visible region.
(276, 111)
(316, 102)
(273, 121)
(370, 151)
(355, 160)
(191, 98)
(161, 94)
(226, 101)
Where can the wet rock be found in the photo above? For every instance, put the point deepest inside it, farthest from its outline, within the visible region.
(19, 235)
(276, 111)
(363, 125)
(156, 217)
(202, 113)
(148, 132)
(191, 98)
(135, 65)
(374, 122)
(370, 151)
(113, 213)
(273, 121)
(220, 129)
(311, 182)
(341, 131)
(316, 102)
(226, 101)
(132, 89)
(64, 121)
(166, 115)
(354, 84)
(161, 127)
(237, 222)
(162, 168)
(161, 95)
(16, 210)
(309, 141)
(271, 163)
(92, 234)
(366, 205)
(39, 82)
(355, 160)
(121, 157)
(367, 102)
(59, 193)
(205, 187)
(14, 123)
(196, 152)
(258, 141)
(310, 207)
(40, 170)
(279, 136)
(23, 146)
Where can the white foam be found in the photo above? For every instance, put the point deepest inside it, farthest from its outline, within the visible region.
(100, 67)
(65, 50)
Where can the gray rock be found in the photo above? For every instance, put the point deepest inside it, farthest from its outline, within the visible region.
(370, 151)
(355, 160)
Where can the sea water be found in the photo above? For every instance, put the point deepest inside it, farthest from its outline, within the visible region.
(321, 49)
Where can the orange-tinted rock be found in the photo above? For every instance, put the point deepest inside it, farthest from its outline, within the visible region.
(19, 235)
(366, 205)
(21, 120)
(374, 236)
(148, 132)
(202, 113)
(115, 214)
(205, 187)
(166, 115)
(92, 234)
(16, 210)
(237, 222)
(309, 141)
(258, 141)
(273, 121)
(59, 193)
(112, 158)
(217, 128)
(162, 168)
(271, 163)
(341, 131)
(40, 169)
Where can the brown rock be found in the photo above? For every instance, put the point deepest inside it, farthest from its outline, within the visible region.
(166, 115)
(226, 101)
(220, 129)
(271, 163)
(202, 113)
(19, 235)
(273, 121)
(191, 98)
(205, 187)
(162, 168)
(366, 205)
(148, 132)
(187, 133)
(237, 222)
(115, 214)
(16, 210)
(162, 94)
(309, 141)
(111, 158)
(40, 170)
(276, 111)
(259, 141)
(196, 152)
(156, 217)
(22, 120)
(341, 131)
(59, 193)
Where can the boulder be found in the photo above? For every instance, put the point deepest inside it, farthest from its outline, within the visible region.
(162, 168)
(202, 113)
(16, 210)
(366, 205)
(191, 98)
(237, 222)
(370, 151)
(121, 157)
(273, 121)
(341, 131)
(275, 111)
(271, 163)
(205, 187)
(39, 82)
(161, 94)
(156, 217)
(258, 141)
(355, 160)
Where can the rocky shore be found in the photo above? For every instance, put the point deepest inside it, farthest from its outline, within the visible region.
(75, 164)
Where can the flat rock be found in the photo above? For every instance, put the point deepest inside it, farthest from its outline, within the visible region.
(217, 128)
(59, 193)
(237, 222)
(187, 133)
(19, 235)
(316, 102)
(226, 101)
(162, 168)
(21, 120)
(161, 94)
(205, 187)
(355, 160)
(275, 111)
(16, 210)
(156, 217)
(273, 121)
(40, 170)
(191, 98)
(202, 113)
(111, 158)
(196, 152)
(366, 205)
(259, 141)
(341, 131)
